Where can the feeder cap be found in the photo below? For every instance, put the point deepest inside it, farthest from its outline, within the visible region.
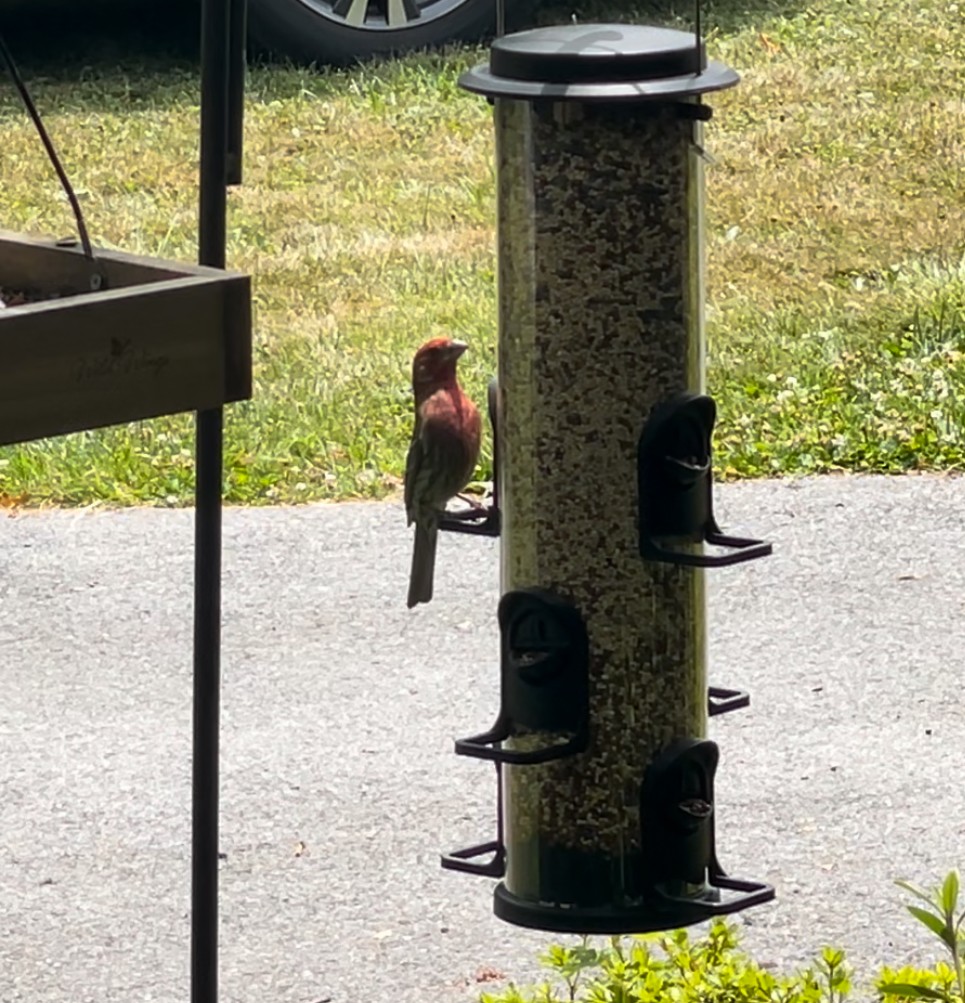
(598, 62)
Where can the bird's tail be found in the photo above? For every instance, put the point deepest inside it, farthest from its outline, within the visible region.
(423, 563)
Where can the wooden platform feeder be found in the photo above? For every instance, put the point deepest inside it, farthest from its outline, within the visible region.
(159, 338)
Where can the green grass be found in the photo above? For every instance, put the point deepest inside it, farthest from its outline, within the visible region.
(836, 250)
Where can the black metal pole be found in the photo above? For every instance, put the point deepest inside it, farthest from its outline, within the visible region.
(237, 65)
(215, 42)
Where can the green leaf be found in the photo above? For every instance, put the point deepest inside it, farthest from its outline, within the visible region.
(832, 956)
(915, 890)
(908, 990)
(950, 895)
(934, 923)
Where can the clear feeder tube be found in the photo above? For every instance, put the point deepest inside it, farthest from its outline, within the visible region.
(600, 319)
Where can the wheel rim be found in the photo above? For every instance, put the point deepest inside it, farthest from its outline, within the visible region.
(383, 15)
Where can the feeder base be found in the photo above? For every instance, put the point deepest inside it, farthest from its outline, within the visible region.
(662, 912)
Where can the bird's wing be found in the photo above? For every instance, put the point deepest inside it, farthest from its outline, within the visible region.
(433, 469)
(413, 463)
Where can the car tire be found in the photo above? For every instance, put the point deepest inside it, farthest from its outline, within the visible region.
(346, 31)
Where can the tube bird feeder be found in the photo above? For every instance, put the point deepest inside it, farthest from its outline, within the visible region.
(606, 799)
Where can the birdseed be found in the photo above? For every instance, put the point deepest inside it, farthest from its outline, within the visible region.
(601, 298)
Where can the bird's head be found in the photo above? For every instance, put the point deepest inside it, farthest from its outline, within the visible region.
(434, 364)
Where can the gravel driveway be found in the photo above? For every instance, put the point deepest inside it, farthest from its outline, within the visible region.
(340, 706)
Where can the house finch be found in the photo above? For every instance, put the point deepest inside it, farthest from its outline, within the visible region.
(442, 454)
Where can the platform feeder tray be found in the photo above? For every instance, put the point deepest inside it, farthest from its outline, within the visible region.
(159, 338)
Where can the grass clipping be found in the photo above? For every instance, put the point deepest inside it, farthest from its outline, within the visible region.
(836, 251)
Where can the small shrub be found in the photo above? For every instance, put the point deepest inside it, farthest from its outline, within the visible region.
(943, 982)
(675, 968)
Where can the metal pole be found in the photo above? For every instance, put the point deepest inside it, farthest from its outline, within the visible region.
(237, 66)
(215, 40)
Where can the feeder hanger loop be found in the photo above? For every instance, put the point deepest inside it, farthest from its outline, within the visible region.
(96, 276)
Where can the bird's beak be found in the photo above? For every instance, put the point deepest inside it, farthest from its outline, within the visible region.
(456, 349)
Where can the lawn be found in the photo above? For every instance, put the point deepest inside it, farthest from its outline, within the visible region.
(836, 249)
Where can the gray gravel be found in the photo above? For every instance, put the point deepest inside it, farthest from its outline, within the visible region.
(340, 706)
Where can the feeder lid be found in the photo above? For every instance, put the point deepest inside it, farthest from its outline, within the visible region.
(598, 62)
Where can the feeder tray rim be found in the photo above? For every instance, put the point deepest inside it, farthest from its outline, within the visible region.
(158, 338)
(72, 246)
(69, 300)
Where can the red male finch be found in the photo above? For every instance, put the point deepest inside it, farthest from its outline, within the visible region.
(442, 454)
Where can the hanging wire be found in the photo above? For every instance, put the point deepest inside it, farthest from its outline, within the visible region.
(708, 158)
(500, 18)
(49, 147)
